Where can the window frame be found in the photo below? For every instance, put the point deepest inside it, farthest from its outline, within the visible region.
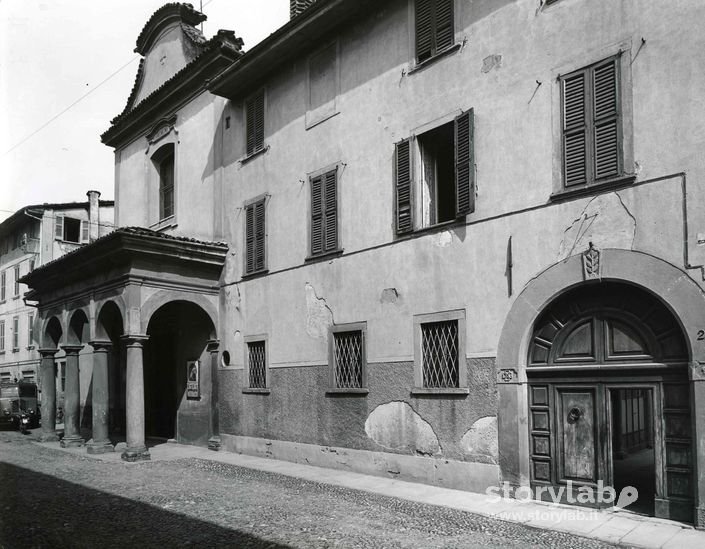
(458, 315)
(3, 286)
(257, 147)
(16, 271)
(341, 329)
(621, 53)
(15, 334)
(2, 336)
(415, 174)
(247, 340)
(30, 331)
(436, 53)
(60, 226)
(252, 203)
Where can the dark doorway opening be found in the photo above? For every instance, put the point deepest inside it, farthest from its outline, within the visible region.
(633, 454)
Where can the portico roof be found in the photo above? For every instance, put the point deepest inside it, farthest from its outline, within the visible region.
(124, 247)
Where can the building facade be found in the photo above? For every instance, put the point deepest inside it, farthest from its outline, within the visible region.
(451, 242)
(32, 236)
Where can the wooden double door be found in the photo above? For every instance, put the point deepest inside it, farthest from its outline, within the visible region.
(614, 433)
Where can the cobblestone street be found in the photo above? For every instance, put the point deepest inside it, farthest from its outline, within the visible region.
(50, 498)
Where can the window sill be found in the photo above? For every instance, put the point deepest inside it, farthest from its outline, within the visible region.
(431, 60)
(255, 154)
(2, 352)
(324, 256)
(440, 391)
(15, 297)
(256, 274)
(163, 224)
(362, 391)
(594, 188)
(256, 391)
(430, 229)
(16, 350)
(30, 347)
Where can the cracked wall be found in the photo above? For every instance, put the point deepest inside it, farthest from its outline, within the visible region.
(396, 426)
(319, 316)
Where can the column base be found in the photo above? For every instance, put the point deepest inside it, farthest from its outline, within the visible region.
(48, 437)
(136, 454)
(99, 447)
(72, 442)
(214, 443)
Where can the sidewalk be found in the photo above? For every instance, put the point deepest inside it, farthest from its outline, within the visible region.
(617, 527)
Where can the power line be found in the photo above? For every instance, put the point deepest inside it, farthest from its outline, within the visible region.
(40, 128)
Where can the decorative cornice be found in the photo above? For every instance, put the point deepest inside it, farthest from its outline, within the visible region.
(168, 14)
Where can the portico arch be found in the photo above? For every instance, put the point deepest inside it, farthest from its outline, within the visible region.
(670, 285)
(163, 297)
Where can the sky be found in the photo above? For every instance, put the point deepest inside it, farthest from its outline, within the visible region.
(56, 54)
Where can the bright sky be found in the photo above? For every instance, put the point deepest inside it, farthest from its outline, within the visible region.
(52, 52)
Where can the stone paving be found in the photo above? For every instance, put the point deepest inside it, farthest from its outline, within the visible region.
(189, 496)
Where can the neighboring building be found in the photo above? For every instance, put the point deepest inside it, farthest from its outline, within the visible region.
(32, 236)
(454, 242)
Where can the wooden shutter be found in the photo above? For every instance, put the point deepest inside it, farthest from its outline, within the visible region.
(606, 130)
(331, 210)
(464, 164)
(255, 123)
(250, 239)
(259, 235)
(324, 213)
(424, 29)
(575, 130)
(317, 215)
(59, 227)
(402, 186)
(444, 24)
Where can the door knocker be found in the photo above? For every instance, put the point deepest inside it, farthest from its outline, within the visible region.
(574, 415)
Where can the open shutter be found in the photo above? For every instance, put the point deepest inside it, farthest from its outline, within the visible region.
(606, 139)
(424, 29)
(85, 235)
(59, 227)
(464, 164)
(249, 239)
(574, 130)
(259, 236)
(331, 205)
(444, 24)
(402, 175)
(317, 215)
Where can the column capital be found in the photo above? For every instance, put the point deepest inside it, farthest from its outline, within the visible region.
(48, 353)
(99, 345)
(72, 349)
(212, 345)
(134, 340)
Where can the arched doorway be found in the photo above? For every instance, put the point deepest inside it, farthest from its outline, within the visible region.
(177, 377)
(609, 398)
(109, 329)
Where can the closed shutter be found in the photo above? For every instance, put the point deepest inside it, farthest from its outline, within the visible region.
(402, 175)
(59, 227)
(464, 163)
(259, 236)
(331, 205)
(250, 239)
(606, 137)
(424, 29)
(255, 123)
(575, 129)
(434, 27)
(317, 215)
(324, 213)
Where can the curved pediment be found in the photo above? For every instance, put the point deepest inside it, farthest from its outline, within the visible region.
(168, 42)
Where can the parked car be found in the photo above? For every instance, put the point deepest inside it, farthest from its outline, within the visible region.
(18, 399)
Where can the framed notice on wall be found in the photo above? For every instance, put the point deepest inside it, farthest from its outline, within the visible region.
(193, 380)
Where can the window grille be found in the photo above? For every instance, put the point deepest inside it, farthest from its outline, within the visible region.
(348, 357)
(439, 347)
(257, 364)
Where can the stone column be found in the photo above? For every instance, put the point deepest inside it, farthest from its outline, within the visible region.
(136, 448)
(72, 401)
(48, 380)
(100, 442)
(214, 440)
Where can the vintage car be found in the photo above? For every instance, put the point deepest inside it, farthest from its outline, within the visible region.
(18, 399)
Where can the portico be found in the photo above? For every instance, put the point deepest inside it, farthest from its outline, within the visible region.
(99, 306)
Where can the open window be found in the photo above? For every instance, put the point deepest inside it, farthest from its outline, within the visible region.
(70, 229)
(435, 175)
